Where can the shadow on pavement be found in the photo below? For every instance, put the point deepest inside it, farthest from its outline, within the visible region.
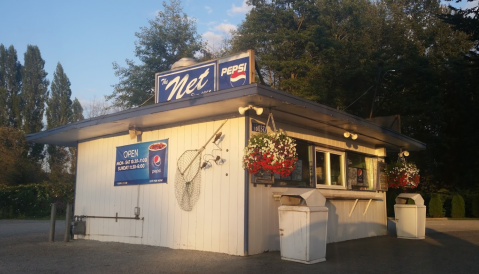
(449, 247)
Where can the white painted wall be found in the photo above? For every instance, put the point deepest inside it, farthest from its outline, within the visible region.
(216, 222)
(263, 209)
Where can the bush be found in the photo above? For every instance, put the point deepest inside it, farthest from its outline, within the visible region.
(33, 200)
(435, 207)
(390, 202)
(475, 205)
(458, 207)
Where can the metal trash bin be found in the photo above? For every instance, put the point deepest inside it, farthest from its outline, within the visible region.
(410, 219)
(303, 223)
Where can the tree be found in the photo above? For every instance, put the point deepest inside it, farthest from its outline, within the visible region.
(77, 115)
(169, 37)
(338, 52)
(34, 94)
(10, 86)
(17, 167)
(466, 20)
(58, 113)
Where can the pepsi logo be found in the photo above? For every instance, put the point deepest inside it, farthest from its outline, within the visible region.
(237, 74)
(360, 172)
(157, 160)
(237, 78)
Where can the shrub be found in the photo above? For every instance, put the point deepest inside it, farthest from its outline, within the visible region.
(475, 205)
(33, 200)
(435, 207)
(390, 202)
(458, 207)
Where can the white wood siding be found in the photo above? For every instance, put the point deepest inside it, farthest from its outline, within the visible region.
(263, 209)
(216, 222)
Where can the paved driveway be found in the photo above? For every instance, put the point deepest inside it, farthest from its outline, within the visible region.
(449, 247)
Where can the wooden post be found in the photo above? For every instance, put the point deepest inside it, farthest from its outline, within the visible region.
(68, 222)
(52, 222)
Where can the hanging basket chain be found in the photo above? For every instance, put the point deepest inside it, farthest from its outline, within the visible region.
(270, 118)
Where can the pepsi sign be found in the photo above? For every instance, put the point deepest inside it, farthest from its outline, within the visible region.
(228, 72)
(142, 163)
(188, 82)
(234, 71)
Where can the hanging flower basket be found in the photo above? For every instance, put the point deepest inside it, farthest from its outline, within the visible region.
(402, 175)
(270, 153)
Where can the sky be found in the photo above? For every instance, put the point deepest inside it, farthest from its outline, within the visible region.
(87, 36)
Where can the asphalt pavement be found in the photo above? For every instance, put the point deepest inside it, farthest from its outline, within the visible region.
(451, 246)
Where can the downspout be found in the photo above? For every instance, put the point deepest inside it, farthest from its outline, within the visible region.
(68, 222)
(246, 189)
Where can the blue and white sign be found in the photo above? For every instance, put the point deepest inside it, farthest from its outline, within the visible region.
(234, 71)
(228, 72)
(142, 163)
(188, 82)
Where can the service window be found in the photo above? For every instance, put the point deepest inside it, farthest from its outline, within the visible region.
(362, 171)
(329, 168)
(301, 175)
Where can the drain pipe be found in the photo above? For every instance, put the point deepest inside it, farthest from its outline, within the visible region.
(246, 191)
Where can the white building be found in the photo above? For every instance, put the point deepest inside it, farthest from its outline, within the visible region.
(232, 215)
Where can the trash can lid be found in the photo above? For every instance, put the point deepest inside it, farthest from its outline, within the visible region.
(402, 198)
(308, 197)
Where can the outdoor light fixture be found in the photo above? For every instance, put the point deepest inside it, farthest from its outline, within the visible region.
(242, 110)
(134, 132)
(403, 153)
(348, 134)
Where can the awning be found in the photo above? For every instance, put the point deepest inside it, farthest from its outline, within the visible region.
(222, 104)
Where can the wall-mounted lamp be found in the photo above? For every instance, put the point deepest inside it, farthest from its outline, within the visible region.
(348, 134)
(242, 110)
(134, 132)
(403, 153)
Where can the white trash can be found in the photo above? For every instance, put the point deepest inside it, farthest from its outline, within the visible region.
(410, 219)
(303, 223)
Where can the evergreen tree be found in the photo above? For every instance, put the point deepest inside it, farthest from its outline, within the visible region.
(59, 113)
(10, 85)
(59, 104)
(77, 115)
(170, 37)
(34, 94)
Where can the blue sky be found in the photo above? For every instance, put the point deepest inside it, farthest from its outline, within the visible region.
(87, 36)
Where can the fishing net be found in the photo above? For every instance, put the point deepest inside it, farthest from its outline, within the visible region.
(188, 179)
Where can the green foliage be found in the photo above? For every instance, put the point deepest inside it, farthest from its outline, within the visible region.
(475, 206)
(59, 113)
(17, 167)
(410, 202)
(34, 94)
(391, 201)
(170, 37)
(341, 53)
(10, 85)
(458, 207)
(33, 200)
(435, 207)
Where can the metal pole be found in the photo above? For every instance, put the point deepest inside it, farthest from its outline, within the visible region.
(68, 222)
(52, 222)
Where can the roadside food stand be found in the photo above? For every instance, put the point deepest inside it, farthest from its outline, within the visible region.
(170, 174)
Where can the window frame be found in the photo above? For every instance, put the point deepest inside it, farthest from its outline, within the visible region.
(328, 152)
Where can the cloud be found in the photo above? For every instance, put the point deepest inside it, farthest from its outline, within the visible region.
(213, 39)
(225, 27)
(243, 9)
(208, 9)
